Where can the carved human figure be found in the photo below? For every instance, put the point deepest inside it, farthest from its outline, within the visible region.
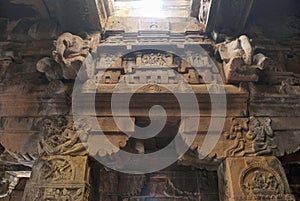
(254, 138)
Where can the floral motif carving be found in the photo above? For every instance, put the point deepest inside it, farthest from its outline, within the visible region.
(251, 138)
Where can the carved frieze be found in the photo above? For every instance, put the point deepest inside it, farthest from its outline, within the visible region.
(63, 194)
(251, 138)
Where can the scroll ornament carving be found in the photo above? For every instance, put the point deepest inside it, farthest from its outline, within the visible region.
(239, 63)
(61, 137)
(70, 52)
(251, 138)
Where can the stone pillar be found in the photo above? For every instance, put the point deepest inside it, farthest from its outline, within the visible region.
(59, 178)
(62, 171)
(253, 178)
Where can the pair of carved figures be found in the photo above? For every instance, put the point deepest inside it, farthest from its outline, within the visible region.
(61, 137)
(253, 138)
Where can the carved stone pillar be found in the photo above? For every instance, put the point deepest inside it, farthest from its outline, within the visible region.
(62, 171)
(253, 178)
(59, 178)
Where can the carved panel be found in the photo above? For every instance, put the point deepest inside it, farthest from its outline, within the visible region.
(61, 137)
(58, 169)
(255, 178)
(251, 138)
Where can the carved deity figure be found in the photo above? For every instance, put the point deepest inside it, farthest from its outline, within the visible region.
(252, 139)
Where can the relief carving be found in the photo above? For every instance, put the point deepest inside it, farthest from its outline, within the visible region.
(255, 178)
(155, 59)
(63, 194)
(239, 63)
(251, 138)
(70, 52)
(61, 137)
(51, 69)
(58, 169)
(57, 194)
(261, 181)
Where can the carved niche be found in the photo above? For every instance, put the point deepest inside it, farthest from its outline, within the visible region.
(239, 63)
(251, 138)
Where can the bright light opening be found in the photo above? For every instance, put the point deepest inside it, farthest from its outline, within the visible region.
(151, 8)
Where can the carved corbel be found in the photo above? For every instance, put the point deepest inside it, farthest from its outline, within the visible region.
(239, 63)
(70, 52)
